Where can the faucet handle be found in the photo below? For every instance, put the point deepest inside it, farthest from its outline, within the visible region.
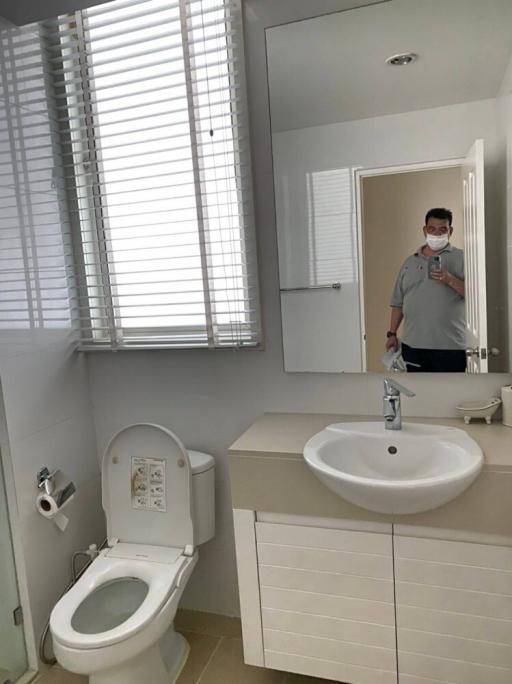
(391, 386)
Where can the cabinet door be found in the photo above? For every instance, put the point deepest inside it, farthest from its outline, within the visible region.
(327, 602)
(454, 612)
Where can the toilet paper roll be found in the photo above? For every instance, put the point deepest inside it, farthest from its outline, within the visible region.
(48, 507)
(506, 406)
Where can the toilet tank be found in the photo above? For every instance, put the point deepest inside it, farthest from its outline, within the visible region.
(203, 495)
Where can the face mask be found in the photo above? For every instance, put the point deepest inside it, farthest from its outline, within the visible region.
(437, 242)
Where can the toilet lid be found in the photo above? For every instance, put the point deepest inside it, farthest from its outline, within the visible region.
(146, 487)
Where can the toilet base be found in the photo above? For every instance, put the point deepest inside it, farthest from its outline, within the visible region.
(160, 664)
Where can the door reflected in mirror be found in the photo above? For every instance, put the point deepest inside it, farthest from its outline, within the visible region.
(391, 186)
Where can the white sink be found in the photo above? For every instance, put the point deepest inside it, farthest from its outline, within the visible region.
(411, 470)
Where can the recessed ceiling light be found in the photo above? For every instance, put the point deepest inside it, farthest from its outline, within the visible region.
(402, 59)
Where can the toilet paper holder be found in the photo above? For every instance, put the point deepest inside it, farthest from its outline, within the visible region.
(56, 493)
(46, 480)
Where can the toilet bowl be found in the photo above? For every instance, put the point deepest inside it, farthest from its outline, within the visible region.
(116, 623)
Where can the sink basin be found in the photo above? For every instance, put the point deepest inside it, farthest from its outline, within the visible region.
(411, 470)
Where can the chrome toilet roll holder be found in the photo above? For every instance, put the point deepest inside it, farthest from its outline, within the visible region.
(46, 480)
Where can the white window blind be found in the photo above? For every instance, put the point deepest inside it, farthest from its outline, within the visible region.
(36, 268)
(151, 112)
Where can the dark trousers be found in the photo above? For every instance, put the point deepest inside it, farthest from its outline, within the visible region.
(434, 360)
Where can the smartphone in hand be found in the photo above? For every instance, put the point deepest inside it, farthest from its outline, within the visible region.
(434, 265)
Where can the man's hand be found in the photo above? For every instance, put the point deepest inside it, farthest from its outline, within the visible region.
(441, 276)
(449, 279)
(391, 342)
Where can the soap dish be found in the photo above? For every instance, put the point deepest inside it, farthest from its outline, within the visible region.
(479, 409)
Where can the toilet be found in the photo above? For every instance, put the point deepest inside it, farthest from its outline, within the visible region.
(116, 623)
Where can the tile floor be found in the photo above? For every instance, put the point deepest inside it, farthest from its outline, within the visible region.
(215, 656)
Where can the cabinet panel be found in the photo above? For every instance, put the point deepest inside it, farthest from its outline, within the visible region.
(331, 606)
(456, 648)
(362, 564)
(452, 671)
(330, 628)
(327, 600)
(412, 679)
(452, 575)
(454, 611)
(456, 600)
(324, 538)
(327, 583)
(329, 649)
(456, 624)
(483, 555)
(339, 672)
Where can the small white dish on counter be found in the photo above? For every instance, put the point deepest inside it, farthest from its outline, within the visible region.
(479, 409)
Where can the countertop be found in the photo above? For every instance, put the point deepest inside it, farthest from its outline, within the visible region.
(285, 434)
(268, 474)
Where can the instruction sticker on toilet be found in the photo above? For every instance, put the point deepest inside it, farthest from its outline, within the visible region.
(148, 484)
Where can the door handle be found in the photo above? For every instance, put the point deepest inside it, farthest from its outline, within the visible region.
(482, 353)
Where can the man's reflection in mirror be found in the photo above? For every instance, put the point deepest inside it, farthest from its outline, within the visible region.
(427, 304)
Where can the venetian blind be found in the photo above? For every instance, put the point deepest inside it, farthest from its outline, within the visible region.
(151, 112)
(37, 287)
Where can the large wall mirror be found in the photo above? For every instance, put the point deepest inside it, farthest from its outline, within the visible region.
(379, 115)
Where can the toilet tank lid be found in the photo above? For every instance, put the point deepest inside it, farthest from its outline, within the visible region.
(199, 461)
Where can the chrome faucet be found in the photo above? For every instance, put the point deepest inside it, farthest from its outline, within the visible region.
(391, 403)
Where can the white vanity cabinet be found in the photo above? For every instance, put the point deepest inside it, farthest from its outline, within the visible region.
(325, 600)
(454, 611)
(322, 601)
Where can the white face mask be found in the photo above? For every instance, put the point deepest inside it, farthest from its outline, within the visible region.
(437, 242)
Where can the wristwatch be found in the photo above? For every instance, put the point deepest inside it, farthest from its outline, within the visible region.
(390, 333)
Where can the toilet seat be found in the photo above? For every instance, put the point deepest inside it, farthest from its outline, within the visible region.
(158, 567)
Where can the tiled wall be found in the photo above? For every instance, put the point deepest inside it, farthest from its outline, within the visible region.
(47, 405)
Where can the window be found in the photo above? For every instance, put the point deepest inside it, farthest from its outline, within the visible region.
(151, 114)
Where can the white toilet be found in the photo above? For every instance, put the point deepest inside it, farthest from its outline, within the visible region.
(116, 623)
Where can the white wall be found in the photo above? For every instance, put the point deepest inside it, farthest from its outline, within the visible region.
(420, 136)
(209, 398)
(48, 415)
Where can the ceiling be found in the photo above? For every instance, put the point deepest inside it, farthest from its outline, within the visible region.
(332, 68)
(22, 12)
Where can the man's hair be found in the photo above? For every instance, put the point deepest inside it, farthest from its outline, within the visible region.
(439, 213)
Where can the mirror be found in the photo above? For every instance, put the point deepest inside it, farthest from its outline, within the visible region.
(379, 115)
